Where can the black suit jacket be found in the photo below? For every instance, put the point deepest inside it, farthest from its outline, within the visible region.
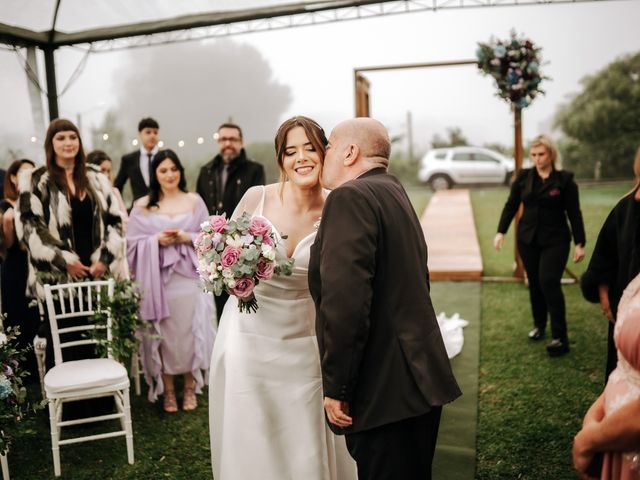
(380, 346)
(545, 210)
(243, 174)
(130, 170)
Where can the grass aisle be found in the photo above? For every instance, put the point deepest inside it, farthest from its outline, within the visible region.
(455, 457)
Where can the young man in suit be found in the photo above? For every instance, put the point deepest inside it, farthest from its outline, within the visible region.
(224, 180)
(385, 370)
(134, 166)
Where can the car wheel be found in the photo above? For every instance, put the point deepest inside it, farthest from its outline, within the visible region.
(440, 182)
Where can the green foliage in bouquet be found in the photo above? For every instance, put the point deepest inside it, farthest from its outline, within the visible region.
(515, 66)
(13, 395)
(125, 320)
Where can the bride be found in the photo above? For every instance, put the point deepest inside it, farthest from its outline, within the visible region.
(265, 390)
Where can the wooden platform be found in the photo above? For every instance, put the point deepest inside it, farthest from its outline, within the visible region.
(450, 231)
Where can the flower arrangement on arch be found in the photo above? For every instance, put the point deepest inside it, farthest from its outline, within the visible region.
(13, 395)
(235, 255)
(515, 66)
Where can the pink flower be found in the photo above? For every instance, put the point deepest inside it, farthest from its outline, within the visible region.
(229, 256)
(264, 270)
(259, 226)
(218, 222)
(203, 243)
(267, 240)
(244, 288)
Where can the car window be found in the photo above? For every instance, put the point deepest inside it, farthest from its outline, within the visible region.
(462, 157)
(440, 155)
(481, 157)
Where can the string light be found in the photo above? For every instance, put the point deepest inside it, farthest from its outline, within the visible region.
(34, 139)
(215, 136)
(105, 136)
(134, 142)
(181, 143)
(200, 140)
(160, 144)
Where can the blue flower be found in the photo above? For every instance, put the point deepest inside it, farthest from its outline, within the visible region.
(512, 77)
(5, 387)
(499, 51)
(533, 67)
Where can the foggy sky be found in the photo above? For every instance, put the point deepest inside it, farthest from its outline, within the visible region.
(312, 74)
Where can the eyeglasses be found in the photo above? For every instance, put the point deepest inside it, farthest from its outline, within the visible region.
(229, 139)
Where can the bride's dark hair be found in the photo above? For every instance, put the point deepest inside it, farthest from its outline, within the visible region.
(314, 132)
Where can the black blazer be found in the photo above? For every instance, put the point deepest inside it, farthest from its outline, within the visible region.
(545, 210)
(242, 175)
(130, 170)
(380, 346)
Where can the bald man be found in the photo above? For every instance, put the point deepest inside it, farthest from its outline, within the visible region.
(385, 370)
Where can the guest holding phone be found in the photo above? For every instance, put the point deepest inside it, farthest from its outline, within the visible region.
(162, 258)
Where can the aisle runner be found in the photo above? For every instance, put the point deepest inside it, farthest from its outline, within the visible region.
(448, 226)
(455, 457)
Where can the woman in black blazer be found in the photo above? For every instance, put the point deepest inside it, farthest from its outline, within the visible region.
(548, 197)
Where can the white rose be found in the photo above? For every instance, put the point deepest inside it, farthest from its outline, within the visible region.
(227, 273)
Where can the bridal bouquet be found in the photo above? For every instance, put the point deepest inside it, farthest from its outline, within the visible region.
(234, 255)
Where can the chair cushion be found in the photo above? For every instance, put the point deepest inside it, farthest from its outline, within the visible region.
(83, 374)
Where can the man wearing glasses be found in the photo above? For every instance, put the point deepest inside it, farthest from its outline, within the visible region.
(224, 180)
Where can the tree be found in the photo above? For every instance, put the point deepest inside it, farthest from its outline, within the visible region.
(456, 139)
(602, 123)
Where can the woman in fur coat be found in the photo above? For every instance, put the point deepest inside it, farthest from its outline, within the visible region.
(69, 220)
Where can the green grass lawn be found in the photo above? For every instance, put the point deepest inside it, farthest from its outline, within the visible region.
(530, 406)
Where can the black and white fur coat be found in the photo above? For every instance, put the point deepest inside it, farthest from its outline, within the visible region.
(43, 224)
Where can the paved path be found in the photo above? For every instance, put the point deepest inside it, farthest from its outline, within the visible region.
(450, 231)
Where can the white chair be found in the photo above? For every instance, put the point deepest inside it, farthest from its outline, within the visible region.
(83, 379)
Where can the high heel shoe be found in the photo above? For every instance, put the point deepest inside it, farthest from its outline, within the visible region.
(189, 400)
(170, 403)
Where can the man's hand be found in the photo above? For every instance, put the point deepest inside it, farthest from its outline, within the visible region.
(498, 241)
(337, 412)
(578, 253)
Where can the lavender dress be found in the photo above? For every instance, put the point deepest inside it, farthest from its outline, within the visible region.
(181, 315)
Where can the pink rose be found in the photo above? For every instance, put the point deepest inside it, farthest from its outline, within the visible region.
(202, 243)
(218, 222)
(259, 226)
(229, 256)
(267, 240)
(264, 270)
(244, 288)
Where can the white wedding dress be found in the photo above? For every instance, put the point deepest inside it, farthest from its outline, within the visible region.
(266, 415)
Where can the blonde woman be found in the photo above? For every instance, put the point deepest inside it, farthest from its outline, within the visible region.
(548, 196)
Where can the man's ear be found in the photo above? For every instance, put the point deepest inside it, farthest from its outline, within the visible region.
(351, 155)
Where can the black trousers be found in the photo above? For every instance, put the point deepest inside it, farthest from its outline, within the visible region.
(400, 450)
(544, 266)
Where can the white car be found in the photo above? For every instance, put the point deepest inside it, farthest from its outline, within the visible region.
(442, 168)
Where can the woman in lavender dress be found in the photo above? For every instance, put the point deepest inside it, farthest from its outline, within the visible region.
(161, 229)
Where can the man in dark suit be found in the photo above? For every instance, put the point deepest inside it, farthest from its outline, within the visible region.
(385, 370)
(224, 180)
(134, 166)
